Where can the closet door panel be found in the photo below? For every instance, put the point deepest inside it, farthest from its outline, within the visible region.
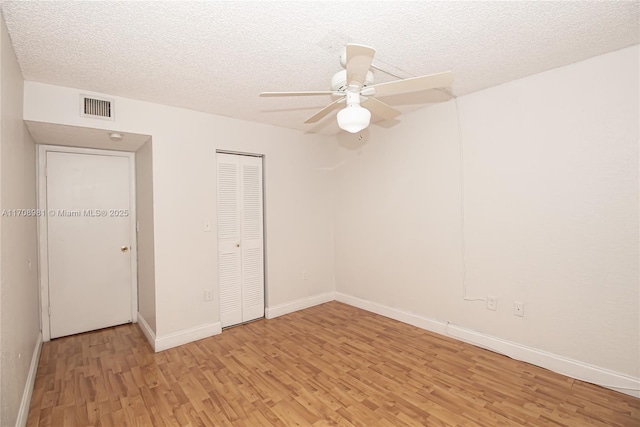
(229, 239)
(252, 239)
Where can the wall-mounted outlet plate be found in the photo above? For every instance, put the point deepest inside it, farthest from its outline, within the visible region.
(492, 303)
(208, 295)
(518, 309)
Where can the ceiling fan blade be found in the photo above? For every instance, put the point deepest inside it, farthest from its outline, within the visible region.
(308, 93)
(326, 110)
(358, 62)
(380, 109)
(413, 84)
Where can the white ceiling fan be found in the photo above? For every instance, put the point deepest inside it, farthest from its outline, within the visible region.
(354, 86)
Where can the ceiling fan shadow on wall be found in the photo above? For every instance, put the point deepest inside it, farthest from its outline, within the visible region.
(355, 89)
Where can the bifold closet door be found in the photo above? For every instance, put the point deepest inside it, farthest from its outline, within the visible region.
(240, 238)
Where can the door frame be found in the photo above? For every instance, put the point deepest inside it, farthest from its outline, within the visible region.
(264, 225)
(43, 243)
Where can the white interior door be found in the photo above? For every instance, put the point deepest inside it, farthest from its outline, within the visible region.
(89, 238)
(240, 238)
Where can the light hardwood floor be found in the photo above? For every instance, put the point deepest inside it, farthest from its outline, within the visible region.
(327, 365)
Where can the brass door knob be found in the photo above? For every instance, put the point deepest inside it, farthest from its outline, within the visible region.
(124, 248)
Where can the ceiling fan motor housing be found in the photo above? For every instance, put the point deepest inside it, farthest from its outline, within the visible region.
(339, 81)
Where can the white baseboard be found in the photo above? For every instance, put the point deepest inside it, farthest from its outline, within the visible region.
(562, 365)
(147, 331)
(300, 304)
(416, 320)
(175, 339)
(165, 342)
(23, 412)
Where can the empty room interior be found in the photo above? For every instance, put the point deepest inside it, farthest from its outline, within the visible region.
(255, 213)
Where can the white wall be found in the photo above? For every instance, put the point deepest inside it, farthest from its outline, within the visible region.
(19, 321)
(298, 200)
(145, 237)
(551, 213)
(552, 208)
(397, 221)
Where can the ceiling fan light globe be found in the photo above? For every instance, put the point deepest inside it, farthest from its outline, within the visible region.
(354, 118)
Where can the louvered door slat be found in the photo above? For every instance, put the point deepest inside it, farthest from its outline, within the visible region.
(228, 215)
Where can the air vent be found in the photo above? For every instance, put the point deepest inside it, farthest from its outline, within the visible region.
(96, 108)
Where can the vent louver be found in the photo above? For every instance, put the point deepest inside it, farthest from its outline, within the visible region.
(96, 108)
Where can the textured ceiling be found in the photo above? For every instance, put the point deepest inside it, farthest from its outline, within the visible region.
(217, 56)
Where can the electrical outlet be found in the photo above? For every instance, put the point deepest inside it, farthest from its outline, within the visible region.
(492, 303)
(518, 309)
(304, 274)
(208, 295)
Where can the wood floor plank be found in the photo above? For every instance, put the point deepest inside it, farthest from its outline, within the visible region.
(329, 365)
